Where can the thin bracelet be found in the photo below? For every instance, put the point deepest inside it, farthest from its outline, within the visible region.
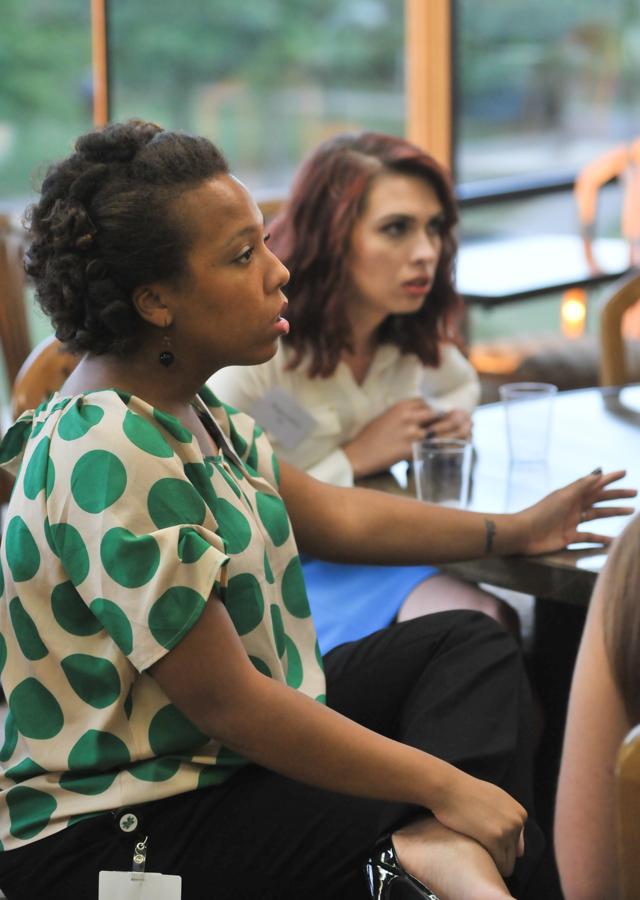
(490, 527)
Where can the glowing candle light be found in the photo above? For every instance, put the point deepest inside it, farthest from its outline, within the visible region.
(573, 312)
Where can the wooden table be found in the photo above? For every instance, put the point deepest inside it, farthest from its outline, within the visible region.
(499, 270)
(590, 428)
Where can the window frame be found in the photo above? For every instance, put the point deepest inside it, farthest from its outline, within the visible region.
(431, 90)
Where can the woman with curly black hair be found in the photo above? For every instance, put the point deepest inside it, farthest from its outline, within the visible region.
(168, 707)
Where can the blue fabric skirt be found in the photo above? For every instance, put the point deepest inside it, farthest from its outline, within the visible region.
(349, 602)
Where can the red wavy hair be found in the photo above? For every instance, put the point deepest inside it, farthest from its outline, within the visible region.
(312, 234)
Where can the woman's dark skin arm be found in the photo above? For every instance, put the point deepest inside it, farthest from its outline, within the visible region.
(209, 677)
(364, 526)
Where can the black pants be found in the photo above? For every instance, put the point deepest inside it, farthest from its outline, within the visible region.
(450, 683)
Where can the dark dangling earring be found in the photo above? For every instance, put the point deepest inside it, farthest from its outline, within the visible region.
(166, 356)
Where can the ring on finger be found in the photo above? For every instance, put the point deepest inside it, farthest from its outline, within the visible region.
(583, 515)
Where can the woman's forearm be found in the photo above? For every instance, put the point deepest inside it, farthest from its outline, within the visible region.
(209, 677)
(359, 525)
(295, 736)
(365, 526)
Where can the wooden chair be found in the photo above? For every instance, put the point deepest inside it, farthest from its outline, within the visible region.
(621, 161)
(45, 369)
(614, 363)
(14, 331)
(628, 815)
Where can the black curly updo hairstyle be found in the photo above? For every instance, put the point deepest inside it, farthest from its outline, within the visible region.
(106, 224)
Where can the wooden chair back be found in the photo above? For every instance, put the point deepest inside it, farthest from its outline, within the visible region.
(15, 341)
(45, 370)
(628, 816)
(621, 161)
(614, 369)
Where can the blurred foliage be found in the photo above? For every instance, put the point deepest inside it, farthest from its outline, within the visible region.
(535, 53)
(269, 79)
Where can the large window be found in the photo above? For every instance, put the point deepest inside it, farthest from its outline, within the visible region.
(266, 81)
(45, 93)
(543, 86)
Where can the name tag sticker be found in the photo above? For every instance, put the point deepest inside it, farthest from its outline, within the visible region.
(283, 417)
(120, 886)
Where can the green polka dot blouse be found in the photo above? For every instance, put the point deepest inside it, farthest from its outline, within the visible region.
(117, 531)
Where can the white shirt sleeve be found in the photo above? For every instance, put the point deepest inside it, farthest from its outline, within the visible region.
(334, 469)
(454, 384)
(242, 386)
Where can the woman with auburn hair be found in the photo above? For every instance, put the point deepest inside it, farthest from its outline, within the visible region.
(604, 705)
(372, 361)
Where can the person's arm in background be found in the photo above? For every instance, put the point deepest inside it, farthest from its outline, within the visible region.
(450, 392)
(453, 390)
(596, 726)
(242, 386)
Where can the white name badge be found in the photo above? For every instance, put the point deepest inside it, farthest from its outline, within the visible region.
(283, 417)
(121, 886)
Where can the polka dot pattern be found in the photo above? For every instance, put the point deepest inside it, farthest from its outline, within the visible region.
(98, 749)
(191, 545)
(24, 770)
(78, 420)
(211, 776)
(173, 501)
(156, 769)
(295, 671)
(261, 666)
(95, 680)
(127, 530)
(229, 479)
(245, 602)
(98, 480)
(29, 811)
(88, 785)
(70, 611)
(3, 653)
(201, 480)
(15, 439)
(294, 592)
(37, 477)
(10, 737)
(173, 613)
(114, 622)
(171, 732)
(72, 551)
(277, 626)
(130, 560)
(274, 518)
(23, 556)
(233, 526)
(145, 437)
(26, 632)
(268, 571)
(175, 428)
(36, 711)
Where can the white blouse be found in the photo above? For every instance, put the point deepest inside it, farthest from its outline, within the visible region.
(340, 406)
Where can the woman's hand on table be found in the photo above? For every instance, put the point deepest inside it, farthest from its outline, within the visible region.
(553, 522)
(455, 424)
(387, 439)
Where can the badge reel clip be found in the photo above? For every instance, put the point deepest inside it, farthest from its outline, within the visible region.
(139, 860)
